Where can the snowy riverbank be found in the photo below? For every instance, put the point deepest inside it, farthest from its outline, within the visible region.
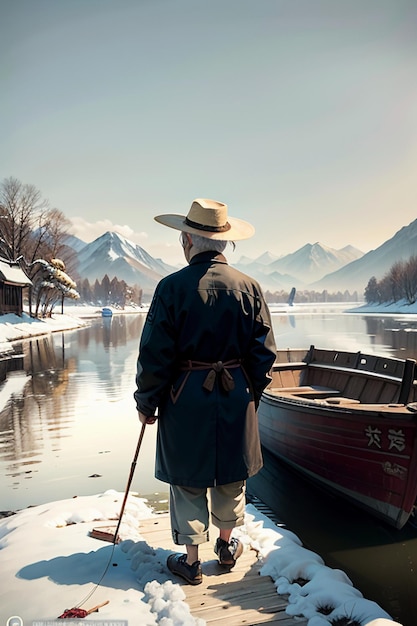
(14, 328)
(60, 569)
(402, 307)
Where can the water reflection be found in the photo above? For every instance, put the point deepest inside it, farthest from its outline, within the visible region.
(28, 396)
(398, 333)
(66, 408)
(333, 329)
(61, 398)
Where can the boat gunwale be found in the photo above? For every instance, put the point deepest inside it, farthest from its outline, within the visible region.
(347, 405)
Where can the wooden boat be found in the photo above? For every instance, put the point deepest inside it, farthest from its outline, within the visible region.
(349, 422)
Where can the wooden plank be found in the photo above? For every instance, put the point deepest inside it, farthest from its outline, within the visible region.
(226, 597)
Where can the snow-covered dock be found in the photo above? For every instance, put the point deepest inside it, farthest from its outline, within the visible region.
(226, 597)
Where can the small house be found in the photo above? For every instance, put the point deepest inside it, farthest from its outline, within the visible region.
(12, 282)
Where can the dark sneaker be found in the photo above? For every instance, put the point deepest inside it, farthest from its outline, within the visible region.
(191, 573)
(228, 553)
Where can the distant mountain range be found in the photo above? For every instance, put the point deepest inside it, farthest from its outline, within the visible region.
(356, 275)
(314, 266)
(298, 269)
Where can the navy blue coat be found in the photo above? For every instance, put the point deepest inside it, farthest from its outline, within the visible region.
(206, 312)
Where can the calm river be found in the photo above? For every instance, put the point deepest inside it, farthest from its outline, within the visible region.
(68, 426)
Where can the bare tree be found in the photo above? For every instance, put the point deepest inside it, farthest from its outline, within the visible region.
(400, 282)
(385, 289)
(22, 209)
(34, 234)
(395, 277)
(410, 280)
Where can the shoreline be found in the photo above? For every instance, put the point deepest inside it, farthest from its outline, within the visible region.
(16, 328)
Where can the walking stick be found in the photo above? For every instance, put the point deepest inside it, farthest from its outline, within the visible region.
(105, 535)
(102, 534)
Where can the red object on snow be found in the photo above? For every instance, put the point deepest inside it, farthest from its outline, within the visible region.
(73, 613)
(76, 612)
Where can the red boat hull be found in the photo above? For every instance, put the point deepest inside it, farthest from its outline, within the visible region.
(366, 456)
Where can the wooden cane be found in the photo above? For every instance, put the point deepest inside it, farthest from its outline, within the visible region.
(106, 533)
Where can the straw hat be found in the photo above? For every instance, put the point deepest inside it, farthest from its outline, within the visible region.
(208, 218)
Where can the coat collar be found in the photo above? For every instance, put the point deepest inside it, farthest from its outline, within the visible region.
(205, 257)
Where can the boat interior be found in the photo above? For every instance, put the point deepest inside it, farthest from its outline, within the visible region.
(344, 378)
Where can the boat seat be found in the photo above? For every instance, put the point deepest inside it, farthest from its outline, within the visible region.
(306, 391)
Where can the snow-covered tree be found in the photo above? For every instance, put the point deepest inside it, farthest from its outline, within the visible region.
(51, 286)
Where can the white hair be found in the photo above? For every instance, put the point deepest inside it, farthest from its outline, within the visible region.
(204, 244)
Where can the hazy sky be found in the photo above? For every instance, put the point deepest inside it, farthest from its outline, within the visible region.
(301, 115)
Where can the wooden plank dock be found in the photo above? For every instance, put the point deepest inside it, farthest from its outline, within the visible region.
(233, 598)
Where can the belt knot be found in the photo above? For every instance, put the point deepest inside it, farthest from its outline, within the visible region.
(218, 369)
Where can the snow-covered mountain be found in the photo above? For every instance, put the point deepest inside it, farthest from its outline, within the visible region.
(313, 261)
(298, 269)
(75, 243)
(116, 256)
(355, 275)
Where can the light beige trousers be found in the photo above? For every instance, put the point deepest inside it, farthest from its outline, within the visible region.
(191, 509)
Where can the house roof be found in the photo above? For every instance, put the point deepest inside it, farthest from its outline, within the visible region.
(12, 274)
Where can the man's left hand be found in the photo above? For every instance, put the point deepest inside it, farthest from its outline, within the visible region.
(147, 420)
